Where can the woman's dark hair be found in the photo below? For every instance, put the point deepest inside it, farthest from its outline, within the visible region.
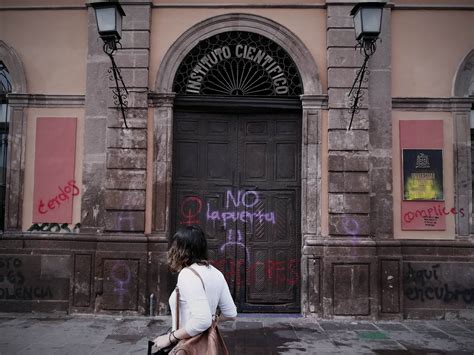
(187, 246)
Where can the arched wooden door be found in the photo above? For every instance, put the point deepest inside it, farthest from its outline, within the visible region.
(236, 163)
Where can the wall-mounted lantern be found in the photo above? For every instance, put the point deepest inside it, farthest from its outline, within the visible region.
(109, 14)
(367, 18)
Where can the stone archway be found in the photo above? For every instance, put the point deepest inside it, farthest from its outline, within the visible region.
(312, 103)
(463, 99)
(16, 138)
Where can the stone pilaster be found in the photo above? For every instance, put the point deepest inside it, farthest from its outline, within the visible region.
(115, 157)
(162, 164)
(380, 132)
(349, 160)
(462, 165)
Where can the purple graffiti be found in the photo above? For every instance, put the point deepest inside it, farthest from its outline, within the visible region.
(242, 216)
(119, 270)
(231, 241)
(352, 228)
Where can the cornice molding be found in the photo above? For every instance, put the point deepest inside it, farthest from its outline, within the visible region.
(434, 104)
(35, 100)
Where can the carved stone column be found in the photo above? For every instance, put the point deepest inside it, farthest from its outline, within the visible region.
(162, 164)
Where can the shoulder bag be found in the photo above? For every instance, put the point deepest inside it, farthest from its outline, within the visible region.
(209, 342)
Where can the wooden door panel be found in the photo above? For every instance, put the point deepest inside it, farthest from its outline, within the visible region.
(273, 268)
(238, 177)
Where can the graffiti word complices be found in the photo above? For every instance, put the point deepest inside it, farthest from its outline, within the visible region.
(275, 271)
(434, 211)
(65, 193)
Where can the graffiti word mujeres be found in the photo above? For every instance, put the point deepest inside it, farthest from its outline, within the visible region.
(65, 193)
(276, 271)
(423, 288)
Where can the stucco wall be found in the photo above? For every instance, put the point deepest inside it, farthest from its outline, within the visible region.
(427, 48)
(52, 46)
(32, 115)
(169, 23)
(448, 176)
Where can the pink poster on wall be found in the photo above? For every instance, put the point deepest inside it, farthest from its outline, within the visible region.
(54, 184)
(421, 150)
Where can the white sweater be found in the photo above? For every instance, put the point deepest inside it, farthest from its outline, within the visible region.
(196, 306)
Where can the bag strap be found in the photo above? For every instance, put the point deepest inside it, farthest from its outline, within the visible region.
(177, 307)
(177, 295)
(204, 287)
(200, 278)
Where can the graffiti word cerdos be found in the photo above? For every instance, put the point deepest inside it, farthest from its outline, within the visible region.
(277, 272)
(239, 51)
(247, 199)
(425, 284)
(434, 211)
(11, 273)
(65, 193)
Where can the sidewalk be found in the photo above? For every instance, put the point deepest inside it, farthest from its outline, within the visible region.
(52, 334)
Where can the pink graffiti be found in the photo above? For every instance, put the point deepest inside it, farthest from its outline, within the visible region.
(276, 272)
(190, 209)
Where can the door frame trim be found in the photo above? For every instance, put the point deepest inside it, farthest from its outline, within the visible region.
(162, 102)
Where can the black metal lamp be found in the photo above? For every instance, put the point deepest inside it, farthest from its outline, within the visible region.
(109, 14)
(367, 23)
(367, 18)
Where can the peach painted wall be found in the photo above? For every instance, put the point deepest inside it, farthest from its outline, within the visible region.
(52, 44)
(448, 175)
(223, 2)
(32, 115)
(432, 2)
(427, 48)
(38, 3)
(169, 23)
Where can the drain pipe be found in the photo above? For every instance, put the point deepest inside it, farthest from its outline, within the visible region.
(152, 301)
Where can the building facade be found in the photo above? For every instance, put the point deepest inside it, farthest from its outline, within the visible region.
(238, 121)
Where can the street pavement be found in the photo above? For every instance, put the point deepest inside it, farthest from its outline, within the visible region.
(249, 334)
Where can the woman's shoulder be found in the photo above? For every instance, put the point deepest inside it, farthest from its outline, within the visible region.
(206, 271)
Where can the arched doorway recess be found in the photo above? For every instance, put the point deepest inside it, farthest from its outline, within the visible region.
(168, 107)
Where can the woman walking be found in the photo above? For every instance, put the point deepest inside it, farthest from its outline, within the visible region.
(202, 288)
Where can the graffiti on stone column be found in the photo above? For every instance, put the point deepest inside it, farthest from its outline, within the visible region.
(121, 276)
(64, 193)
(351, 227)
(14, 285)
(424, 282)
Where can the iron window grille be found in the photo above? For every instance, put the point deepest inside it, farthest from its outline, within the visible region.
(238, 63)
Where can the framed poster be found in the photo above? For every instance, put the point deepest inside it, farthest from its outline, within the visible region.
(423, 175)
